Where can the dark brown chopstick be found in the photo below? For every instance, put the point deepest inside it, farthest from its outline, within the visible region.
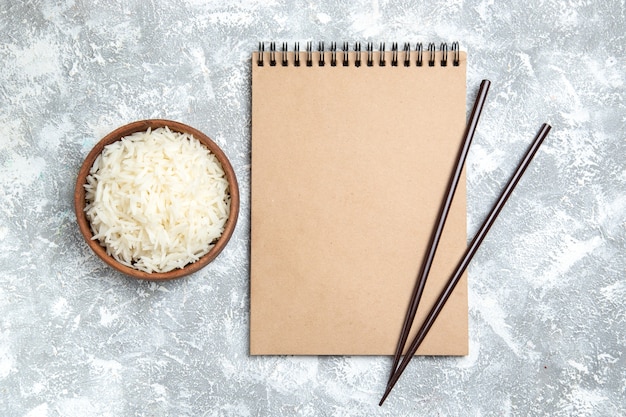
(467, 257)
(438, 229)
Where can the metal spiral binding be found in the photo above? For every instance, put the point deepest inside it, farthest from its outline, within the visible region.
(273, 54)
(455, 53)
(261, 53)
(418, 49)
(407, 54)
(285, 62)
(394, 54)
(431, 54)
(369, 50)
(309, 54)
(444, 54)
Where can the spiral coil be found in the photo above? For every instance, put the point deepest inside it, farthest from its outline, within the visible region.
(411, 56)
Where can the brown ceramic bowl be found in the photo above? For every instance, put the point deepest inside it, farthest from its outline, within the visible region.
(141, 126)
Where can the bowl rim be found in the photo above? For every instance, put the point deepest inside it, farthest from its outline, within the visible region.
(140, 126)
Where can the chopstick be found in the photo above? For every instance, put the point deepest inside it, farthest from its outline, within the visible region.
(438, 229)
(467, 257)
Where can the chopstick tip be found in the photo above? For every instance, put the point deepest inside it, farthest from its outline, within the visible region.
(382, 400)
(389, 387)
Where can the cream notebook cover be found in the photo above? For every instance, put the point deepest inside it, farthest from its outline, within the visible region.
(349, 168)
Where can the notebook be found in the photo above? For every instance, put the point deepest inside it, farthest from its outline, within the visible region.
(349, 166)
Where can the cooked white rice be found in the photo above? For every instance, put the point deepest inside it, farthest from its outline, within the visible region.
(157, 200)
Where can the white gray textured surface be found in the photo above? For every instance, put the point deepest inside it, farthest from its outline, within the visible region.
(547, 288)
